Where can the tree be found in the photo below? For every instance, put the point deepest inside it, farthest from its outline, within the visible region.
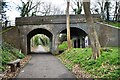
(91, 30)
(28, 9)
(107, 8)
(78, 8)
(103, 8)
(31, 8)
(115, 12)
(39, 39)
(68, 24)
(3, 8)
(50, 9)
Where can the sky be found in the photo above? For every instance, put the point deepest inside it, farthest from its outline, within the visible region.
(13, 12)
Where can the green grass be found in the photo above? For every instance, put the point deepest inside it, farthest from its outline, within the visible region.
(8, 53)
(63, 46)
(107, 65)
(115, 24)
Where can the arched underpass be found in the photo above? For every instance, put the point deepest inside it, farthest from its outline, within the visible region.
(38, 31)
(78, 36)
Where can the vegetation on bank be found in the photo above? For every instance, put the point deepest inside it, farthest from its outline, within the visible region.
(107, 65)
(7, 54)
(63, 46)
(115, 24)
(6, 29)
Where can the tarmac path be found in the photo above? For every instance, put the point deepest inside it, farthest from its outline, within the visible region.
(45, 66)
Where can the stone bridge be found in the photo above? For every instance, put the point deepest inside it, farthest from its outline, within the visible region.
(53, 26)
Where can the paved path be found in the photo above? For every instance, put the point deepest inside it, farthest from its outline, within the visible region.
(39, 48)
(45, 66)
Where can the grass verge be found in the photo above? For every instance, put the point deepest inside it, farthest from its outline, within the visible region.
(106, 66)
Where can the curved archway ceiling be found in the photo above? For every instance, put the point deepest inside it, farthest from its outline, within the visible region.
(75, 32)
(39, 31)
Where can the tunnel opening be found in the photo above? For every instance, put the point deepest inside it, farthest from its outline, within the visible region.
(79, 37)
(39, 41)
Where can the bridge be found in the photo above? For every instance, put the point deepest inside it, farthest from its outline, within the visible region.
(53, 26)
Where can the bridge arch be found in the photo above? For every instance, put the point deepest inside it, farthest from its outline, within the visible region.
(78, 35)
(38, 31)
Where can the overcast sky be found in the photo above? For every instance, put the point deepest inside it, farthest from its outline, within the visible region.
(13, 12)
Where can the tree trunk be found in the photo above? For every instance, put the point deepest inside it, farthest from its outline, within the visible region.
(68, 25)
(115, 13)
(107, 10)
(91, 30)
(118, 15)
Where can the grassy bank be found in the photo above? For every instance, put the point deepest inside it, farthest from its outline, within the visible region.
(115, 24)
(107, 65)
(7, 54)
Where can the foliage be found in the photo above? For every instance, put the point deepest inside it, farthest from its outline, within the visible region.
(63, 46)
(107, 65)
(8, 53)
(37, 40)
(40, 39)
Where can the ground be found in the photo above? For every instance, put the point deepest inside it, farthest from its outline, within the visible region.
(39, 48)
(45, 66)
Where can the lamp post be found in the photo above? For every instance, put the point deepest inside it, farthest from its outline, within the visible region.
(68, 24)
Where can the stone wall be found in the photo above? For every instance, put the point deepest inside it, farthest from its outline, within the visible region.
(12, 37)
(18, 36)
(109, 35)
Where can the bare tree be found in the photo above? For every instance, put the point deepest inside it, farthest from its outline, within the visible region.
(77, 6)
(91, 30)
(27, 8)
(117, 11)
(101, 4)
(107, 9)
(31, 8)
(103, 8)
(50, 9)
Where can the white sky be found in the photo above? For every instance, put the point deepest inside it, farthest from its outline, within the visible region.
(14, 12)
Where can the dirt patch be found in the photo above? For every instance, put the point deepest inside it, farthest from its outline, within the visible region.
(79, 72)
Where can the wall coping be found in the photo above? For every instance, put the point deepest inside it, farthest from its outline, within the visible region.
(109, 25)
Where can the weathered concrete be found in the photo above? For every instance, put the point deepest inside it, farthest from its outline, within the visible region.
(45, 66)
(52, 26)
